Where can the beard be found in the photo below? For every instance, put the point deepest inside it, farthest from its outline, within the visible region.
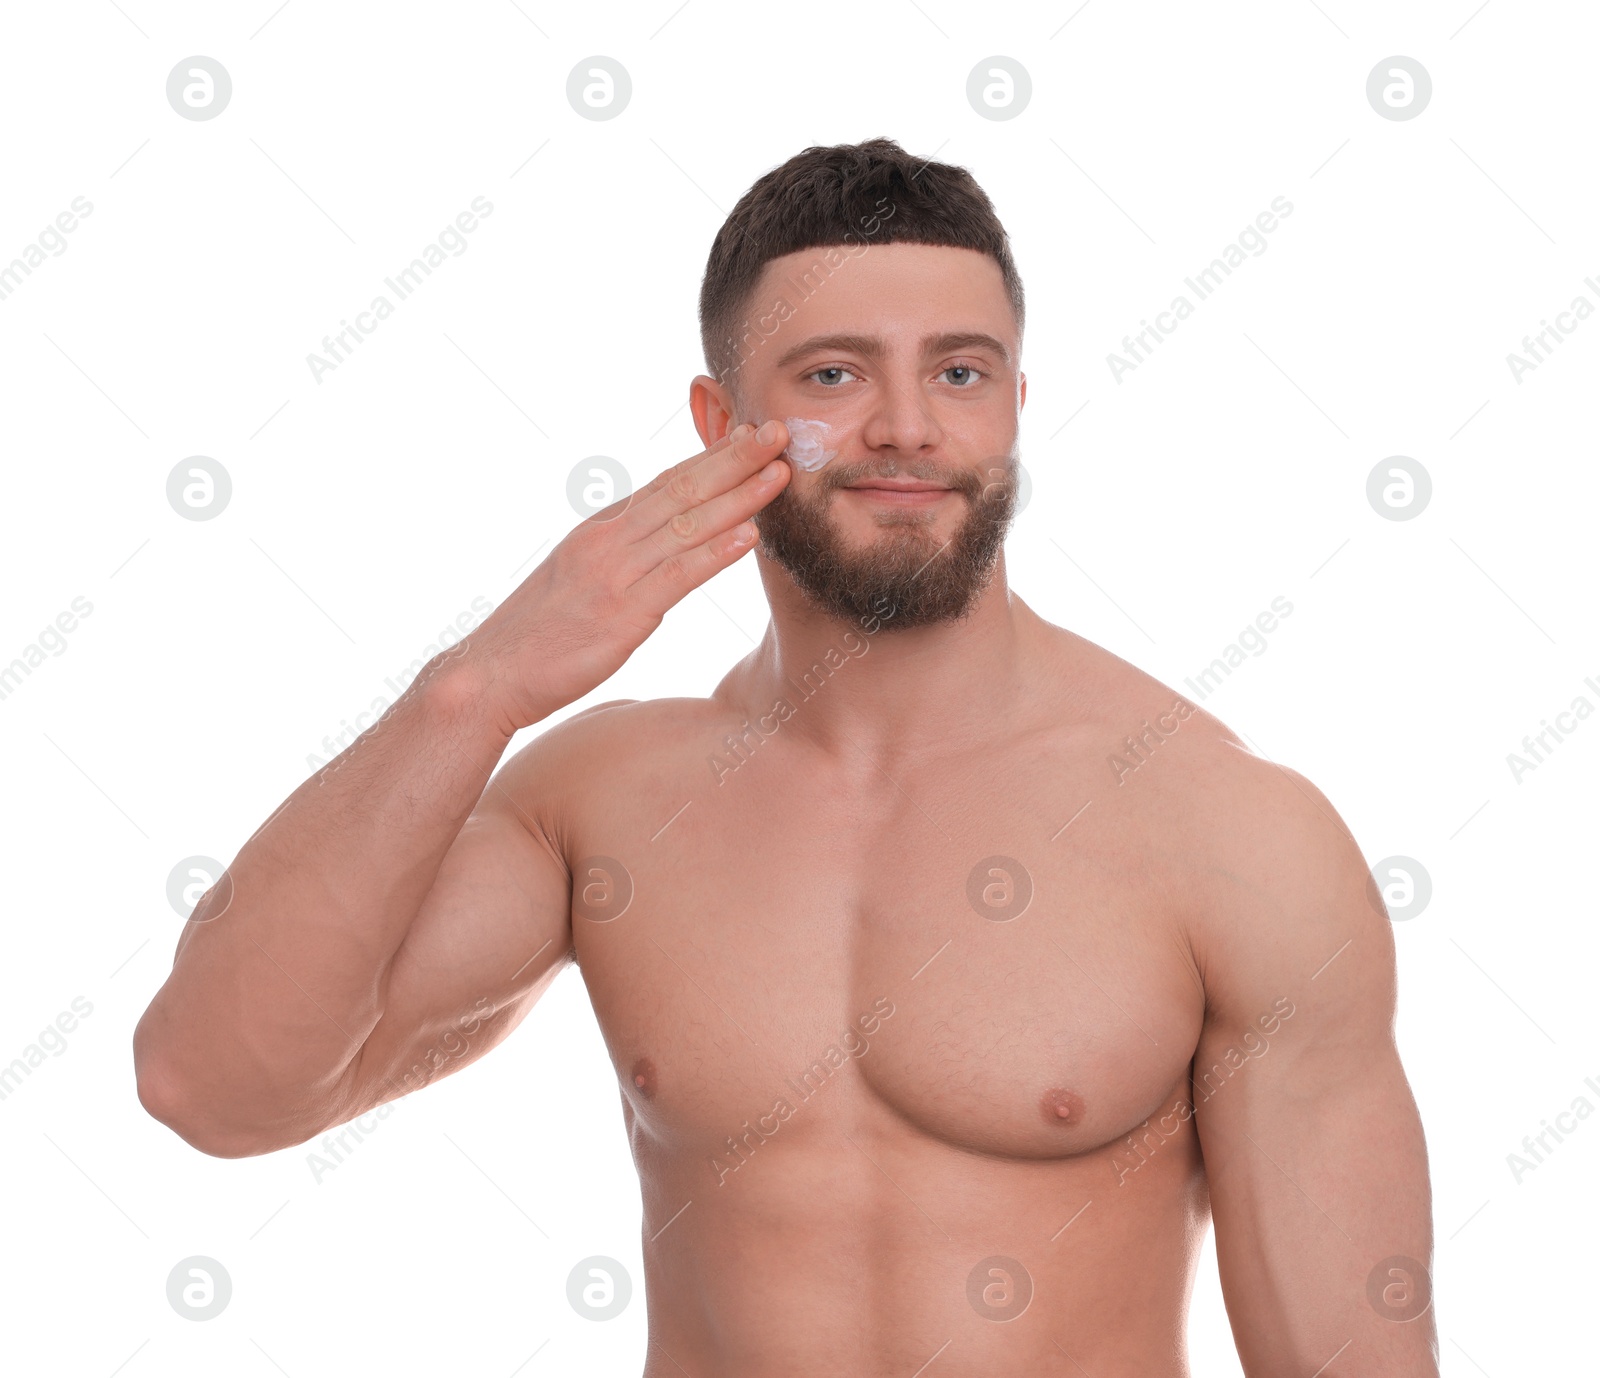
(905, 567)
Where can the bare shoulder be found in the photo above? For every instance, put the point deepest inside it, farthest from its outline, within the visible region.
(1205, 765)
(1159, 746)
(1267, 828)
(1274, 878)
(598, 733)
(1288, 916)
(601, 751)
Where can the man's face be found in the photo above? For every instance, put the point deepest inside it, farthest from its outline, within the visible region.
(908, 353)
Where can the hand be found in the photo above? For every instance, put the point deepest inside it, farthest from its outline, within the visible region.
(572, 623)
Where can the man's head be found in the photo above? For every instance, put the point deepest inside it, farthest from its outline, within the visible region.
(875, 292)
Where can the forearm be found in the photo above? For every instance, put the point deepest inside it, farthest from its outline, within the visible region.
(284, 971)
(280, 972)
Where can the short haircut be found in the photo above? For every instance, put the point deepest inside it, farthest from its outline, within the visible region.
(873, 193)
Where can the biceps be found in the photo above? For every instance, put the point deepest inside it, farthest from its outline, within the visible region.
(1318, 1174)
(491, 936)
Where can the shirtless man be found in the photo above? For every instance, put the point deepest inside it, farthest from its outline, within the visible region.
(955, 971)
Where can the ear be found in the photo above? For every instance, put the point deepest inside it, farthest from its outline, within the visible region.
(713, 407)
(1022, 399)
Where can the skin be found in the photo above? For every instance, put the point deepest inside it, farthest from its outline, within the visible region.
(874, 1108)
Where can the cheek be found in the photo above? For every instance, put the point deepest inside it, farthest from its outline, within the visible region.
(811, 443)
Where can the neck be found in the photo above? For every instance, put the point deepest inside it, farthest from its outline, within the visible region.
(884, 690)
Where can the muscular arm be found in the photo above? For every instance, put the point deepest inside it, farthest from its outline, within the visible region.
(392, 922)
(393, 908)
(1313, 1147)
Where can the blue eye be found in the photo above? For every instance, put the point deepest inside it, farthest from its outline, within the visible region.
(970, 372)
(834, 369)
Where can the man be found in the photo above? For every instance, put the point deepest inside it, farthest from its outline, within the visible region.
(953, 969)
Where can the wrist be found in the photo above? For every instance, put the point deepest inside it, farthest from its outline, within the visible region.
(468, 686)
(457, 687)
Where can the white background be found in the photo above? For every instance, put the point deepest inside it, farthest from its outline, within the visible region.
(370, 509)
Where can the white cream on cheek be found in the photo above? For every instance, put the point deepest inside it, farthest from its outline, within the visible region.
(809, 443)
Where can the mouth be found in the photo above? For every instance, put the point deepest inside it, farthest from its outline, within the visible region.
(899, 492)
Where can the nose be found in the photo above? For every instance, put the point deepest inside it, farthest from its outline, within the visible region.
(900, 419)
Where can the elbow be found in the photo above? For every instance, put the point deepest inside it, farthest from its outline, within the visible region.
(169, 1098)
(212, 1116)
(166, 1101)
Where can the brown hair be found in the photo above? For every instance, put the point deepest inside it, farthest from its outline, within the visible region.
(847, 194)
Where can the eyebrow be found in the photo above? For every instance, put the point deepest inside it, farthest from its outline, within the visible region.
(874, 347)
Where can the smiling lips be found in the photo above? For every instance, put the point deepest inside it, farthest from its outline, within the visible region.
(902, 492)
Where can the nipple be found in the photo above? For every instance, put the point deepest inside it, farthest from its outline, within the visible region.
(1062, 1107)
(644, 1078)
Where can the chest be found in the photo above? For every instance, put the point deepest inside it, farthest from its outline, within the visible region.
(974, 952)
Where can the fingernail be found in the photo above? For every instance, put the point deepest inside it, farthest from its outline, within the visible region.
(768, 433)
(771, 471)
(742, 430)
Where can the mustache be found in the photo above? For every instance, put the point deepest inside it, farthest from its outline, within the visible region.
(970, 482)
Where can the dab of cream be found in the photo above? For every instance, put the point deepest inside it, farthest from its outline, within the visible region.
(808, 442)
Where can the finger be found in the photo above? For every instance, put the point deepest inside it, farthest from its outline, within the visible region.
(707, 520)
(676, 576)
(716, 447)
(627, 500)
(700, 479)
